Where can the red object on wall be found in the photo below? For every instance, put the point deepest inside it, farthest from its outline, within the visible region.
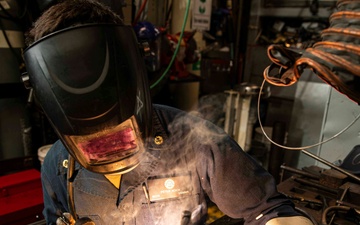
(21, 198)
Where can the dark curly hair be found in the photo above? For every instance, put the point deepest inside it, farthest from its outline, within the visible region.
(69, 13)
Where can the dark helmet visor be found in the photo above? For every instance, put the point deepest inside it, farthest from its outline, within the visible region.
(90, 79)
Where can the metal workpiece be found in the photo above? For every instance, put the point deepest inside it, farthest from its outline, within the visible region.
(354, 177)
(300, 172)
(325, 195)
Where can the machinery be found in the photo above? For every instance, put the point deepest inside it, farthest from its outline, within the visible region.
(327, 196)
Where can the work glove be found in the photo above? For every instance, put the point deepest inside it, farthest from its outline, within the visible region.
(298, 220)
(68, 219)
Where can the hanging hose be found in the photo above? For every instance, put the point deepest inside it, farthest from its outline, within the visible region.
(335, 59)
(177, 46)
(141, 9)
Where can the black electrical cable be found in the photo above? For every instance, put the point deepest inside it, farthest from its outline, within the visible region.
(168, 15)
(22, 15)
(17, 21)
(18, 57)
(10, 17)
(141, 9)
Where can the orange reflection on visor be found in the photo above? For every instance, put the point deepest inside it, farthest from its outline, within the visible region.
(109, 145)
(104, 148)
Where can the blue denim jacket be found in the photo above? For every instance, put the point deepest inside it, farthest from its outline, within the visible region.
(197, 161)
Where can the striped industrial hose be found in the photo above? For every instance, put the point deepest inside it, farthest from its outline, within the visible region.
(335, 59)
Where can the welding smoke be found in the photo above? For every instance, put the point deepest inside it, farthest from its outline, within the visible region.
(189, 135)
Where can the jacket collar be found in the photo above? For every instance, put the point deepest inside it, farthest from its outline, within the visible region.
(139, 175)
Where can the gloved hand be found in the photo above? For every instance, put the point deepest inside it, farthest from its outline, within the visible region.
(65, 219)
(68, 219)
(298, 220)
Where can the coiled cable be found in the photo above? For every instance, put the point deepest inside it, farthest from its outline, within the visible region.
(335, 59)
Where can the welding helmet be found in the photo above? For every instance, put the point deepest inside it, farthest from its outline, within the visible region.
(91, 82)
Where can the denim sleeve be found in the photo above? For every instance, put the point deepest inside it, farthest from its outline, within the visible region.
(54, 184)
(239, 186)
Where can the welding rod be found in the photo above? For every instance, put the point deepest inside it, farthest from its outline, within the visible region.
(331, 165)
(300, 172)
(357, 207)
(341, 198)
(315, 184)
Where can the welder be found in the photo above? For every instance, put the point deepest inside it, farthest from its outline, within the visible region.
(121, 159)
